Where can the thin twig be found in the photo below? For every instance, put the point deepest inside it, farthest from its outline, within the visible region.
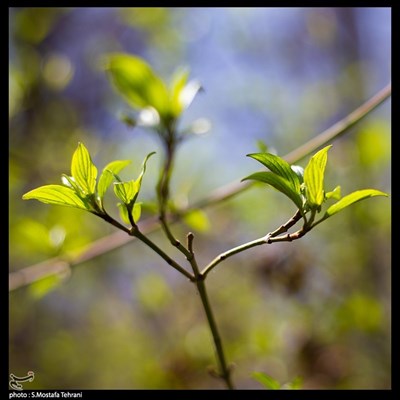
(225, 371)
(230, 253)
(163, 193)
(161, 253)
(286, 226)
(135, 231)
(269, 238)
(163, 198)
(338, 129)
(192, 259)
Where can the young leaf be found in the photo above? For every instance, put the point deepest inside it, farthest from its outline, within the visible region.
(266, 380)
(279, 167)
(126, 191)
(314, 177)
(188, 93)
(107, 177)
(299, 171)
(178, 83)
(278, 183)
(136, 81)
(70, 182)
(139, 179)
(136, 212)
(334, 194)
(351, 199)
(83, 170)
(56, 194)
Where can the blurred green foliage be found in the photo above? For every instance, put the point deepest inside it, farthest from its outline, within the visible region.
(319, 308)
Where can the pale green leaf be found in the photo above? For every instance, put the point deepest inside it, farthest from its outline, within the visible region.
(126, 191)
(139, 179)
(280, 167)
(314, 177)
(351, 199)
(188, 93)
(178, 83)
(334, 194)
(107, 176)
(266, 380)
(136, 212)
(83, 170)
(136, 81)
(56, 194)
(123, 212)
(198, 220)
(299, 171)
(70, 182)
(278, 183)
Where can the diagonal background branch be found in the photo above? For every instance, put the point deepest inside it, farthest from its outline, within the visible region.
(61, 264)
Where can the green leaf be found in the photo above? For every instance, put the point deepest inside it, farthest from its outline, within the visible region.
(178, 83)
(107, 176)
(299, 171)
(266, 380)
(83, 170)
(136, 212)
(279, 167)
(278, 183)
(188, 93)
(314, 177)
(351, 199)
(123, 212)
(126, 191)
(139, 179)
(198, 220)
(69, 181)
(136, 81)
(56, 194)
(334, 194)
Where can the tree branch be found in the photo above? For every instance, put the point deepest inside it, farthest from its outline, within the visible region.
(163, 192)
(267, 239)
(33, 273)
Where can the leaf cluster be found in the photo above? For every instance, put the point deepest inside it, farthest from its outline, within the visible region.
(306, 187)
(82, 190)
(159, 104)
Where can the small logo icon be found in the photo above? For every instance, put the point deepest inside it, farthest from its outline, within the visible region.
(15, 380)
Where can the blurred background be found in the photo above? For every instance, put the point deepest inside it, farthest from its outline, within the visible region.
(318, 308)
